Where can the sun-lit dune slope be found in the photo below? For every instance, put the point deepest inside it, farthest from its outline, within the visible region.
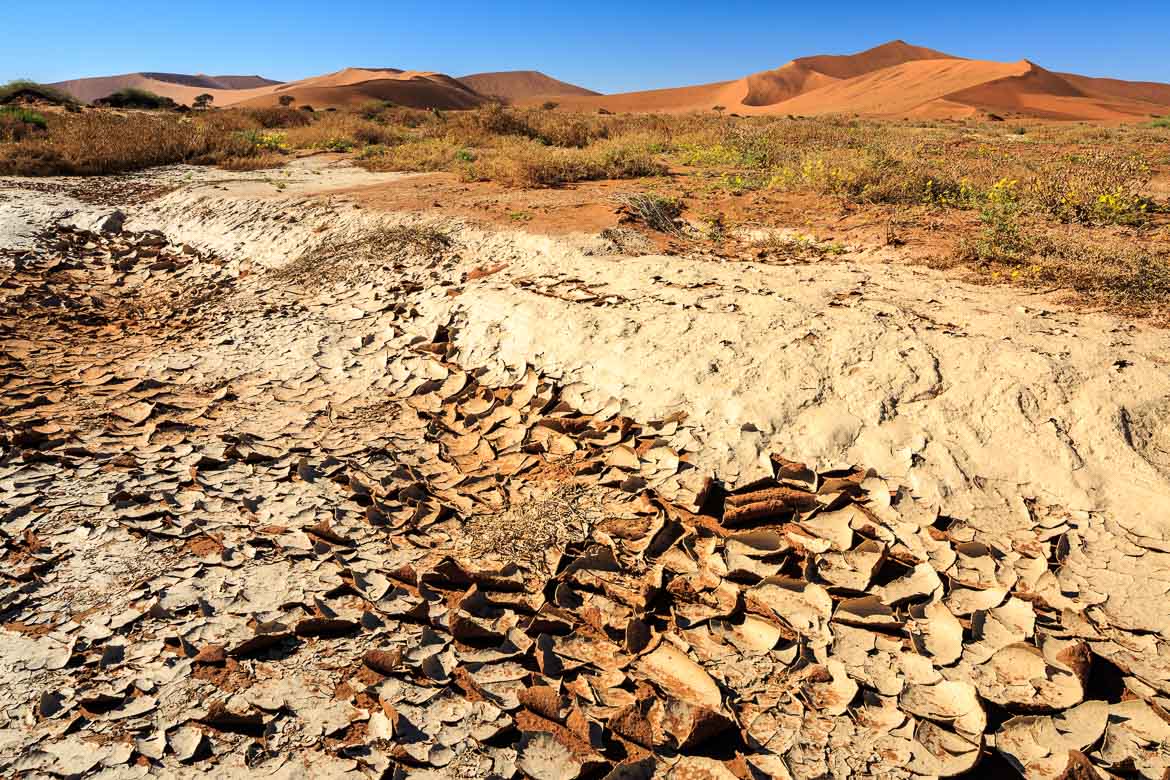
(1041, 93)
(899, 79)
(758, 92)
(353, 86)
(417, 89)
(898, 89)
(521, 84)
(179, 87)
(894, 79)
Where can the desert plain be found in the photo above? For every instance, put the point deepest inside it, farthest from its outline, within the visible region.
(391, 424)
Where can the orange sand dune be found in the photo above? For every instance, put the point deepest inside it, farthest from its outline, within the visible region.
(1041, 93)
(899, 89)
(414, 91)
(1139, 91)
(674, 100)
(894, 79)
(759, 93)
(898, 79)
(181, 89)
(345, 87)
(520, 84)
(847, 66)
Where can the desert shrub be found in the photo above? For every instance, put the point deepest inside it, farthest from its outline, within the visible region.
(133, 97)
(17, 123)
(655, 211)
(1162, 122)
(95, 143)
(278, 117)
(429, 154)
(524, 163)
(549, 105)
(565, 130)
(494, 119)
(336, 145)
(256, 162)
(1000, 238)
(374, 110)
(23, 89)
(266, 140)
(1096, 187)
(797, 245)
(348, 130)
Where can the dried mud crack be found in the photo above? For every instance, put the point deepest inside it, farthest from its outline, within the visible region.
(252, 523)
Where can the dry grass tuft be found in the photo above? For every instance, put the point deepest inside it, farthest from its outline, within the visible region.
(355, 260)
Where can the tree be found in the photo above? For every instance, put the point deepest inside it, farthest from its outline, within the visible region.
(719, 109)
(287, 100)
(204, 101)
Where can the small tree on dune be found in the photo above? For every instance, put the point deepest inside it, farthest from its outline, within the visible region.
(287, 100)
(719, 109)
(203, 101)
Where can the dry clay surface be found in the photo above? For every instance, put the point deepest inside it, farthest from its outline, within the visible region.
(288, 486)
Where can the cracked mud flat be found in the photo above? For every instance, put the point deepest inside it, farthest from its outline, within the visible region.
(515, 506)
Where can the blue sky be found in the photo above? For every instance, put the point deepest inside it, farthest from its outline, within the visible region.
(608, 46)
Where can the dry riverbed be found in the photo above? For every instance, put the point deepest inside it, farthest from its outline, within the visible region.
(291, 485)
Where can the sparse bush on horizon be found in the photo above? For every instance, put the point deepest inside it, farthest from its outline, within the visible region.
(1053, 208)
(14, 89)
(134, 97)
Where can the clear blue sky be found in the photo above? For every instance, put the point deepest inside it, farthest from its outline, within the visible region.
(608, 46)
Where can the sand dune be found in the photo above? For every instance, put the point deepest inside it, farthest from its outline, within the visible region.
(417, 89)
(899, 79)
(352, 86)
(414, 90)
(520, 84)
(899, 89)
(847, 66)
(178, 86)
(894, 79)
(244, 82)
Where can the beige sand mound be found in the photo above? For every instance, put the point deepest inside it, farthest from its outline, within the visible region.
(521, 84)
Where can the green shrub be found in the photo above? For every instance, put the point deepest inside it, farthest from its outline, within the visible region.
(133, 97)
(265, 141)
(279, 117)
(25, 89)
(17, 123)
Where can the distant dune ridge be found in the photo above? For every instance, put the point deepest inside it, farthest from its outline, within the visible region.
(894, 79)
(521, 85)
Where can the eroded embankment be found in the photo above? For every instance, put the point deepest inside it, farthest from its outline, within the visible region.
(290, 481)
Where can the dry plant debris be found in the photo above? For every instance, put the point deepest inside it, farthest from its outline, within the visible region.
(254, 528)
